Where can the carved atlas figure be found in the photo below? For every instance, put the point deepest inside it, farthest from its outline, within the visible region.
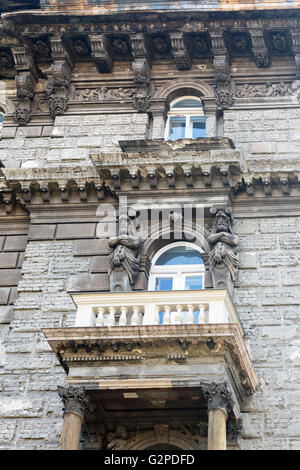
(223, 257)
(123, 262)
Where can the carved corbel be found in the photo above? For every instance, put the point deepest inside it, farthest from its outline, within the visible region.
(170, 175)
(26, 192)
(248, 185)
(259, 48)
(285, 187)
(180, 50)
(225, 175)
(44, 188)
(63, 187)
(26, 80)
(135, 178)
(206, 171)
(82, 189)
(223, 83)
(188, 176)
(141, 64)
(102, 52)
(267, 185)
(152, 177)
(99, 189)
(58, 85)
(116, 181)
(141, 67)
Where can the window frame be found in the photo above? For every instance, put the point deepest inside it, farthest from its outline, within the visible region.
(186, 113)
(178, 272)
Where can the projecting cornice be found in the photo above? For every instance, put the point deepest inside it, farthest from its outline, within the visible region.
(144, 165)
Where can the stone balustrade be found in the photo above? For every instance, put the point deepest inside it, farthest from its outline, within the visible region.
(207, 306)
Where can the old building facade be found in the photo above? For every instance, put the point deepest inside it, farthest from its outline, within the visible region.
(149, 218)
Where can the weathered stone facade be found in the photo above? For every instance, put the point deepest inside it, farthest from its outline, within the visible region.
(85, 106)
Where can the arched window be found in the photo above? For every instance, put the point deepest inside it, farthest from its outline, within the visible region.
(186, 119)
(1, 119)
(178, 266)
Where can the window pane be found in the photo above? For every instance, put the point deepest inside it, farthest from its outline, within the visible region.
(163, 283)
(177, 128)
(193, 282)
(179, 255)
(187, 103)
(198, 127)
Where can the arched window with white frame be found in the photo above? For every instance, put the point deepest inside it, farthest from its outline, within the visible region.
(178, 266)
(186, 119)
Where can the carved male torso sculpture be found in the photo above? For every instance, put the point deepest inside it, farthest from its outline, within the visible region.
(123, 262)
(223, 258)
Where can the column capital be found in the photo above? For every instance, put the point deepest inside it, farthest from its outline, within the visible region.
(74, 400)
(218, 397)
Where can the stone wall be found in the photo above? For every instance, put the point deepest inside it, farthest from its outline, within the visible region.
(268, 133)
(70, 140)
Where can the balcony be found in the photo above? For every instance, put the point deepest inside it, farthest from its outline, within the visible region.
(142, 355)
(155, 308)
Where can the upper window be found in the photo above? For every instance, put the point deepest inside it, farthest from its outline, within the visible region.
(186, 119)
(177, 267)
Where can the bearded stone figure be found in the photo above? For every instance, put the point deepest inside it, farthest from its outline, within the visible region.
(224, 257)
(124, 262)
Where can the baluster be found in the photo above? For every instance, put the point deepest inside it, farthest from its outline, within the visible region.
(201, 318)
(100, 316)
(123, 317)
(178, 315)
(156, 315)
(190, 315)
(166, 317)
(111, 321)
(135, 316)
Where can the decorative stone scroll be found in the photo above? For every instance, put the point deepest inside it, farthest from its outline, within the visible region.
(223, 258)
(124, 261)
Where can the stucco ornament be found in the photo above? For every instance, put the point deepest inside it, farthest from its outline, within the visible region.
(124, 261)
(224, 257)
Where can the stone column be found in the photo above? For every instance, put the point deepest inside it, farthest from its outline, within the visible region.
(219, 406)
(75, 403)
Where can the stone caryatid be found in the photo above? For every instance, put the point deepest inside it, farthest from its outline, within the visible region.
(124, 261)
(223, 257)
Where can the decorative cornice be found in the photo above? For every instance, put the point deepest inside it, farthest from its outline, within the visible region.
(142, 339)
